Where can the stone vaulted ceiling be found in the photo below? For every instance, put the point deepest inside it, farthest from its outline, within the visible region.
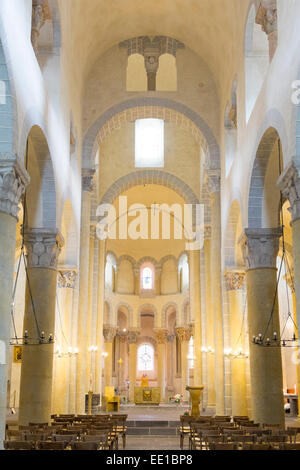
(214, 29)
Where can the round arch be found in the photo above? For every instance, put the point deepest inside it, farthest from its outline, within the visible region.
(164, 319)
(90, 139)
(148, 307)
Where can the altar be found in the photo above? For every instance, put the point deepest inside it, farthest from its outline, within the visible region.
(146, 395)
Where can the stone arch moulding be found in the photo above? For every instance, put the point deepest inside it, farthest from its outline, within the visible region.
(167, 258)
(126, 258)
(273, 123)
(147, 307)
(130, 313)
(91, 135)
(164, 313)
(149, 176)
(147, 259)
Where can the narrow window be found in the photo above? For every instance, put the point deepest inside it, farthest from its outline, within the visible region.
(149, 143)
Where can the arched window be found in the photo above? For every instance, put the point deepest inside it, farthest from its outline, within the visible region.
(136, 73)
(147, 278)
(145, 357)
(166, 77)
(149, 143)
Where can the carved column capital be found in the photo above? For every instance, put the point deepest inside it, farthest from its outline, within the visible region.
(207, 232)
(13, 181)
(213, 177)
(67, 278)
(87, 177)
(260, 247)
(183, 333)
(234, 279)
(160, 334)
(43, 247)
(133, 334)
(151, 56)
(267, 17)
(109, 332)
(289, 185)
(40, 13)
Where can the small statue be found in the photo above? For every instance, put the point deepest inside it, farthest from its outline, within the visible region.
(144, 381)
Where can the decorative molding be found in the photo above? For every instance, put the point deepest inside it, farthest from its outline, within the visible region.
(213, 180)
(67, 278)
(266, 16)
(289, 185)
(43, 247)
(260, 247)
(234, 279)
(160, 334)
(13, 181)
(162, 44)
(183, 333)
(40, 14)
(109, 332)
(133, 335)
(87, 178)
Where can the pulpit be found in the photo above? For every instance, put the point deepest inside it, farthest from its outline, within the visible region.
(195, 393)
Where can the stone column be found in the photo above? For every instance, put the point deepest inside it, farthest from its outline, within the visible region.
(13, 181)
(157, 280)
(81, 390)
(211, 391)
(133, 334)
(137, 281)
(43, 248)
(267, 17)
(184, 336)
(195, 306)
(234, 281)
(216, 289)
(90, 379)
(109, 333)
(260, 249)
(61, 397)
(100, 313)
(151, 56)
(160, 335)
(289, 184)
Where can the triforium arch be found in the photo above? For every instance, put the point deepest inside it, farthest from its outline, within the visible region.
(90, 139)
(150, 309)
(170, 307)
(129, 313)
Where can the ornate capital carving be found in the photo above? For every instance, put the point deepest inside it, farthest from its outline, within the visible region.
(13, 181)
(151, 56)
(234, 279)
(67, 278)
(87, 177)
(289, 185)
(213, 177)
(183, 333)
(260, 247)
(40, 13)
(109, 332)
(160, 334)
(133, 334)
(43, 247)
(170, 338)
(207, 232)
(267, 17)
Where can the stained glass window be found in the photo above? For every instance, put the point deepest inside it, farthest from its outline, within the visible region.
(147, 278)
(145, 357)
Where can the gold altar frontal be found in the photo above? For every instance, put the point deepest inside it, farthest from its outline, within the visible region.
(146, 395)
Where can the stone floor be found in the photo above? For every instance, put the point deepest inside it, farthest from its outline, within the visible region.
(153, 443)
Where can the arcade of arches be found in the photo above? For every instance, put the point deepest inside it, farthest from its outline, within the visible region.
(128, 106)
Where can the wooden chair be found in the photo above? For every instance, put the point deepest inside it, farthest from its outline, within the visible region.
(38, 425)
(288, 446)
(60, 445)
(222, 418)
(207, 436)
(242, 439)
(84, 445)
(18, 445)
(121, 426)
(185, 428)
(291, 433)
(34, 437)
(64, 437)
(220, 446)
(257, 447)
(102, 439)
(14, 435)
